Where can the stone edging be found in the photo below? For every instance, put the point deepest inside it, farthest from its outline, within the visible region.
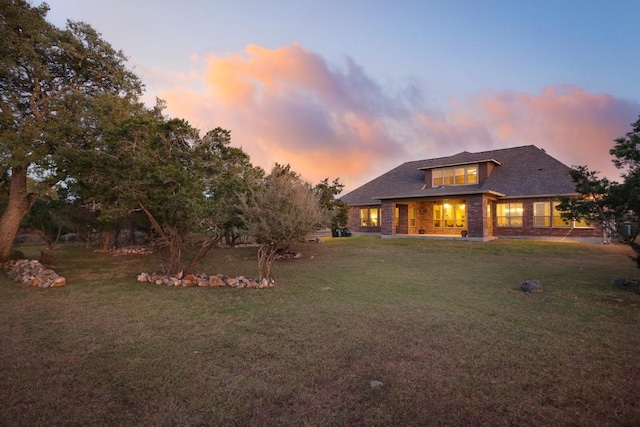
(204, 281)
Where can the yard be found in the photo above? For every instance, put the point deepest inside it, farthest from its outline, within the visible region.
(359, 331)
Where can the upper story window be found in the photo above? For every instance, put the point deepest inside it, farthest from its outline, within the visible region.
(458, 175)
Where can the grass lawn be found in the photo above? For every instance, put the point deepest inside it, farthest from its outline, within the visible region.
(442, 325)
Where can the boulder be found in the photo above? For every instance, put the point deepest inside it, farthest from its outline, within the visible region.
(533, 286)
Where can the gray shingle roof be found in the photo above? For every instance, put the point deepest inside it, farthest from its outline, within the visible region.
(521, 172)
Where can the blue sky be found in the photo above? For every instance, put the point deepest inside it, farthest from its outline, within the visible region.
(350, 89)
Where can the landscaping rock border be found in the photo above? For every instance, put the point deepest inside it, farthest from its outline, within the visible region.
(204, 281)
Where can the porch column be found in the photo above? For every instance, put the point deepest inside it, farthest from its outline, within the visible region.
(476, 216)
(386, 226)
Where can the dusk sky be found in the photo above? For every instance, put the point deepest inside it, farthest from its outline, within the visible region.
(350, 89)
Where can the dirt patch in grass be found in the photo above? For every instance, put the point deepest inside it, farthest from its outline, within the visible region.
(442, 325)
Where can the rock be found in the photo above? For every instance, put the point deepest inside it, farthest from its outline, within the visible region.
(628, 284)
(533, 286)
(60, 281)
(201, 280)
(375, 384)
(216, 281)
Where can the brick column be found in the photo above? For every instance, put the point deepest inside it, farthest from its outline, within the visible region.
(476, 216)
(386, 227)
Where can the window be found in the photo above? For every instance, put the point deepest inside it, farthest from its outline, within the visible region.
(412, 216)
(558, 222)
(509, 214)
(450, 214)
(545, 214)
(370, 217)
(541, 214)
(459, 175)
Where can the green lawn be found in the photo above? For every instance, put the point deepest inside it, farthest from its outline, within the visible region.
(442, 325)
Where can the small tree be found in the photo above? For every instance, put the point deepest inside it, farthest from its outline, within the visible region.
(280, 211)
(610, 204)
(339, 210)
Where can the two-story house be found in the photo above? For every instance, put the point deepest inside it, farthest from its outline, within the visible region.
(510, 192)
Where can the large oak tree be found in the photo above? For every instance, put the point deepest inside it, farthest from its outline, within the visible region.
(59, 88)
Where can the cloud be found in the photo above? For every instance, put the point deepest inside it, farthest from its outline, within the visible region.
(571, 124)
(290, 105)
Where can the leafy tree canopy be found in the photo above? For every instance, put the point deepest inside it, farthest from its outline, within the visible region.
(613, 206)
(280, 211)
(59, 90)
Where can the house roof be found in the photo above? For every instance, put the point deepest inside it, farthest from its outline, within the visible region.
(525, 171)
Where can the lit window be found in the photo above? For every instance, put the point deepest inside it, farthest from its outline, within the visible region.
(541, 214)
(450, 214)
(412, 216)
(459, 175)
(437, 177)
(509, 214)
(448, 176)
(561, 223)
(472, 174)
(545, 214)
(558, 222)
(370, 217)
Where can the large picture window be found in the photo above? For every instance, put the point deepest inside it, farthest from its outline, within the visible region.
(546, 215)
(459, 175)
(450, 214)
(370, 217)
(509, 214)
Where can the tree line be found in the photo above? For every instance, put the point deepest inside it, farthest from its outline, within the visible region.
(79, 151)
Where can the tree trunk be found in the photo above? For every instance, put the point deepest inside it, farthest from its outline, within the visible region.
(20, 201)
(204, 249)
(266, 257)
(175, 252)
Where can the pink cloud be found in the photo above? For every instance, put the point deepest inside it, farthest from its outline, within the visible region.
(575, 126)
(289, 105)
